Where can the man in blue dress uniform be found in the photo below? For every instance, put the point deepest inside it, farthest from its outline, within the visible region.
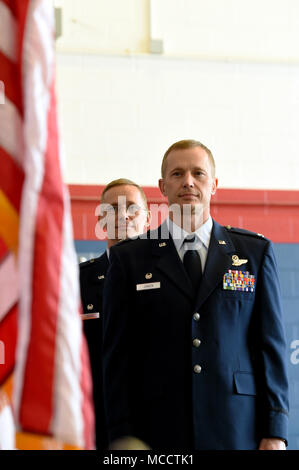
(194, 350)
(123, 213)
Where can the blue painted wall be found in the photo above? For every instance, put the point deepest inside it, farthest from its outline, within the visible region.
(288, 264)
(89, 249)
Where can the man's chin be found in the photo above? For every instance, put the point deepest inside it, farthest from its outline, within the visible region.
(123, 235)
(192, 207)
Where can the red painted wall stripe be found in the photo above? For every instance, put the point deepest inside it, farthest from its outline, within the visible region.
(273, 213)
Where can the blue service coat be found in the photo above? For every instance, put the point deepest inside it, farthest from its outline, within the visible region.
(92, 280)
(226, 391)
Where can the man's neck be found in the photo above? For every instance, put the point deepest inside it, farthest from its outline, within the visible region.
(111, 243)
(190, 223)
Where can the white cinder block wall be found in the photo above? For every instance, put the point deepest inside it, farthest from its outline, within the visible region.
(229, 76)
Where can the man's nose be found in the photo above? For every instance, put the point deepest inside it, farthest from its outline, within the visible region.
(123, 213)
(188, 180)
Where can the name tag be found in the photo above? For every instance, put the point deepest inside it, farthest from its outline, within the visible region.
(148, 286)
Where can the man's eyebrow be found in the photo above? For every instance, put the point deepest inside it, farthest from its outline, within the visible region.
(199, 168)
(177, 169)
(132, 203)
(125, 200)
(183, 169)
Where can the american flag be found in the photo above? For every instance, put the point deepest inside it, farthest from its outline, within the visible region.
(44, 364)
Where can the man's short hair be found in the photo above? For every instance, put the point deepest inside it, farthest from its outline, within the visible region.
(122, 182)
(187, 144)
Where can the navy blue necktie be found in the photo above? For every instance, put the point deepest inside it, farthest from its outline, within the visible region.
(192, 264)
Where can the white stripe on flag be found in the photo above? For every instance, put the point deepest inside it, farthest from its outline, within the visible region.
(8, 32)
(11, 136)
(7, 430)
(7, 425)
(67, 423)
(9, 285)
(37, 50)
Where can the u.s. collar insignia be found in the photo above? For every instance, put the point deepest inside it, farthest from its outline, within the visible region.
(222, 242)
(237, 261)
(148, 276)
(162, 244)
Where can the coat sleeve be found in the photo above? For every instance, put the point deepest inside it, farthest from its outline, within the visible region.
(116, 350)
(272, 345)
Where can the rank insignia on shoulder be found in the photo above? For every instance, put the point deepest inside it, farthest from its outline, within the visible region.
(239, 281)
(236, 261)
(222, 242)
(243, 231)
(101, 277)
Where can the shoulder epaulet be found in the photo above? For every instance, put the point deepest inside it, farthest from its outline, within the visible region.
(127, 240)
(243, 231)
(89, 262)
(122, 242)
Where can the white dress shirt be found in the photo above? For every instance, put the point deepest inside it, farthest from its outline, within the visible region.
(202, 239)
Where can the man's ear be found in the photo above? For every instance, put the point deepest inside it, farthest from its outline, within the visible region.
(214, 186)
(102, 222)
(162, 186)
(101, 218)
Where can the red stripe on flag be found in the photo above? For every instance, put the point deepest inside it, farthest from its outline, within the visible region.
(11, 4)
(9, 73)
(3, 249)
(36, 404)
(8, 340)
(11, 179)
(20, 9)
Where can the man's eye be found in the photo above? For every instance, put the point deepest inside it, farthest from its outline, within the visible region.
(133, 209)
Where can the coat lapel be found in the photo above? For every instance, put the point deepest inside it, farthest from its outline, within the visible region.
(217, 263)
(169, 262)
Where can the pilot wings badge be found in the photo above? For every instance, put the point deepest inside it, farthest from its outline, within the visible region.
(237, 261)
